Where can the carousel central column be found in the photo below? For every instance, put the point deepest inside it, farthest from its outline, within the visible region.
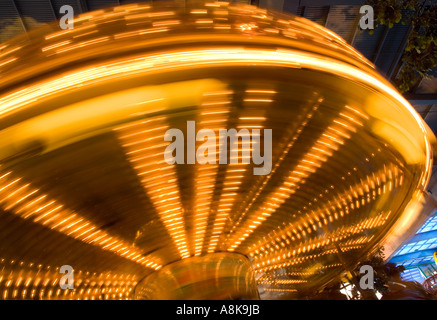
(212, 276)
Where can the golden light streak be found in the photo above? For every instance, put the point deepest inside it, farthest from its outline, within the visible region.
(26, 281)
(290, 144)
(227, 200)
(231, 56)
(362, 191)
(161, 176)
(284, 191)
(216, 108)
(21, 200)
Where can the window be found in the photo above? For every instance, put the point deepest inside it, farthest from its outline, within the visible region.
(429, 225)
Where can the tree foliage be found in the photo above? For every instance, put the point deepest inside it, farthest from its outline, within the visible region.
(387, 281)
(420, 55)
(384, 273)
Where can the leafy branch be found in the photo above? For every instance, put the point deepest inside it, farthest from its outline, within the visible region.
(420, 54)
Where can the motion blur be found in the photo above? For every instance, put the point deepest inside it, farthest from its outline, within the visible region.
(84, 181)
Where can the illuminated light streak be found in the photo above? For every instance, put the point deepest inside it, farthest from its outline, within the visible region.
(27, 209)
(199, 11)
(314, 244)
(165, 23)
(28, 283)
(3, 63)
(202, 213)
(362, 115)
(223, 26)
(261, 91)
(4, 54)
(75, 30)
(84, 44)
(291, 142)
(85, 34)
(223, 208)
(204, 21)
(263, 213)
(234, 56)
(319, 214)
(158, 176)
(56, 45)
(253, 118)
(258, 100)
(132, 33)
